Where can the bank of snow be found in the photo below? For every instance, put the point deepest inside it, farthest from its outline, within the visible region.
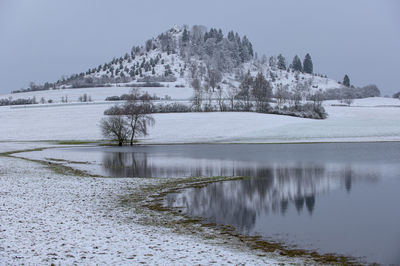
(363, 123)
(100, 93)
(47, 218)
(370, 102)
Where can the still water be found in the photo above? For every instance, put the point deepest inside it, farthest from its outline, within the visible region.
(341, 198)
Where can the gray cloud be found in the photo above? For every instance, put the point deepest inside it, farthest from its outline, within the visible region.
(42, 40)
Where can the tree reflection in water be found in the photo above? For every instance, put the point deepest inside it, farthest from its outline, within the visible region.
(272, 188)
(269, 190)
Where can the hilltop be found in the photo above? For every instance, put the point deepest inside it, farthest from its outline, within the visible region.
(175, 57)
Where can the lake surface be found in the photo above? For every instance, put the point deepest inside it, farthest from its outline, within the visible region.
(342, 198)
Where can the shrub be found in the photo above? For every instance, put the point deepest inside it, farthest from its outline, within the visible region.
(353, 93)
(113, 98)
(9, 101)
(172, 108)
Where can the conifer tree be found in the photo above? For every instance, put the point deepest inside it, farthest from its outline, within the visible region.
(307, 64)
(272, 62)
(219, 35)
(231, 36)
(346, 81)
(281, 62)
(185, 35)
(296, 64)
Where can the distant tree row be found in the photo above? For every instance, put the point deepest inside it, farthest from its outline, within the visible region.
(218, 52)
(296, 65)
(36, 87)
(255, 95)
(10, 101)
(351, 93)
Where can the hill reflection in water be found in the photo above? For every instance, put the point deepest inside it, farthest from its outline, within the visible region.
(327, 197)
(269, 190)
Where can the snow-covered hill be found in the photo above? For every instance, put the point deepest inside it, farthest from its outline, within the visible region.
(174, 59)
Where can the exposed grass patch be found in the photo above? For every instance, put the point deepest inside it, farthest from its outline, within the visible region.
(57, 168)
(257, 143)
(110, 145)
(126, 144)
(65, 161)
(9, 153)
(75, 142)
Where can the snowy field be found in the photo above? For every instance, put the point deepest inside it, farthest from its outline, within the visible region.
(48, 218)
(373, 119)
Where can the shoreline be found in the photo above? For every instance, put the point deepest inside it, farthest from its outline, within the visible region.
(107, 143)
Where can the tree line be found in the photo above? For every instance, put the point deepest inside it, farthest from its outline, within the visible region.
(254, 94)
(10, 101)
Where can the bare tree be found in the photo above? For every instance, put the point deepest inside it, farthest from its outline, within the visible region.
(214, 77)
(348, 101)
(196, 84)
(317, 98)
(197, 100)
(281, 94)
(208, 106)
(264, 59)
(244, 94)
(197, 33)
(193, 69)
(297, 94)
(85, 98)
(202, 71)
(197, 97)
(295, 98)
(115, 128)
(262, 92)
(231, 93)
(137, 111)
(220, 99)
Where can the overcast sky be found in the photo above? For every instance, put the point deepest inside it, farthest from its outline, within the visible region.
(44, 39)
